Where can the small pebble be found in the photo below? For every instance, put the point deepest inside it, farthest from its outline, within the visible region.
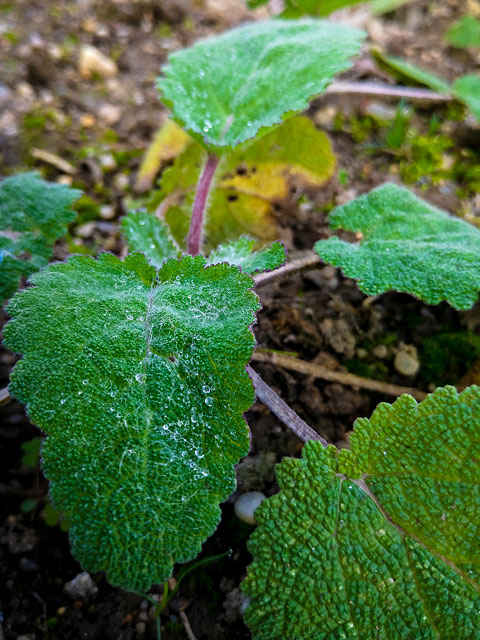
(87, 120)
(107, 212)
(81, 587)
(246, 505)
(109, 113)
(140, 628)
(92, 60)
(121, 181)
(107, 162)
(406, 361)
(86, 230)
(380, 351)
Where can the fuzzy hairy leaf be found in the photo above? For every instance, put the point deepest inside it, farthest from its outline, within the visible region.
(407, 245)
(33, 215)
(249, 180)
(147, 234)
(380, 541)
(241, 253)
(225, 89)
(138, 379)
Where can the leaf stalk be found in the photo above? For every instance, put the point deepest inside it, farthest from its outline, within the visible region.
(280, 408)
(195, 233)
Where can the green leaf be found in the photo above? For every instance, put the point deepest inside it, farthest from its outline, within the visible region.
(33, 215)
(138, 379)
(241, 253)
(378, 7)
(31, 450)
(380, 541)
(407, 245)
(144, 232)
(404, 70)
(467, 89)
(464, 33)
(225, 89)
(297, 8)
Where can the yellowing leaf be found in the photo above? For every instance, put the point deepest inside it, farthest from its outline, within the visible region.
(295, 151)
(249, 180)
(168, 143)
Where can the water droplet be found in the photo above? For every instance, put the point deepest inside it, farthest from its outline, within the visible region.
(62, 401)
(205, 388)
(209, 402)
(84, 381)
(140, 377)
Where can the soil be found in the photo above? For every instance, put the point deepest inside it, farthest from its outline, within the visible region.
(102, 126)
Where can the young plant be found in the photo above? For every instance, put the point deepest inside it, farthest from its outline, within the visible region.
(137, 371)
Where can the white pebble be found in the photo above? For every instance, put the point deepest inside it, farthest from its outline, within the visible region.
(246, 505)
(406, 361)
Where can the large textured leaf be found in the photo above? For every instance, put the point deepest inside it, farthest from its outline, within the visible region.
(380, 541)
(33, 215)
(225, 89)
(242, 253)
(139, 381)
(406, 245)
(149, 235)
(249, 180)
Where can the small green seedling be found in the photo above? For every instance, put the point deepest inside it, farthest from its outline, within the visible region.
(137, 371)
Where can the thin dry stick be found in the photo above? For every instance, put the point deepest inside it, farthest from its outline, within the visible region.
(349, 379)
(378, 89)
(186, 624)
(286, 414)
(4, 396)
(307, 261)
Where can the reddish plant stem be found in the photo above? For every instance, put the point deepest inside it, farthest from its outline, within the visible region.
(281, 409)
(195, 234)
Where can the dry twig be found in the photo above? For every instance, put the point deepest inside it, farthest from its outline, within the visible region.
(349, 379)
